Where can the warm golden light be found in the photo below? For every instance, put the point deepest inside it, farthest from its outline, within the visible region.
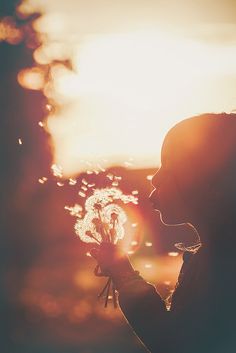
(126, 91)
(128, 85)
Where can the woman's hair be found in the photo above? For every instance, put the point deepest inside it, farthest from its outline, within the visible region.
(203, 153)
(202, 150)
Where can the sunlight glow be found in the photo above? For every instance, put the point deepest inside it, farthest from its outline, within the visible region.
(126, 91)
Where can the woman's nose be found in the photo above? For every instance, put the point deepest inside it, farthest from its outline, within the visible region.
(151, 196)
(156, 179)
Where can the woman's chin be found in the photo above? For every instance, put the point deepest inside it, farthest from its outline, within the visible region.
(170, 220)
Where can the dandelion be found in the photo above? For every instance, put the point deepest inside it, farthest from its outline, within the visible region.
(101, 220)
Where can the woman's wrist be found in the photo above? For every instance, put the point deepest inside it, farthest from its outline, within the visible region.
(123, 273)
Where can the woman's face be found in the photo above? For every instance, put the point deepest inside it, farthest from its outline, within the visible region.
(166, 196)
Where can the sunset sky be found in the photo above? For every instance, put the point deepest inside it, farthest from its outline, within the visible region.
(139, 67)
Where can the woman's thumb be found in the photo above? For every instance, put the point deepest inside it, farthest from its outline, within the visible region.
(94, 253)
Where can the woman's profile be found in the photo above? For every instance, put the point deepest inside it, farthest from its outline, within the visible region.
(195, 184)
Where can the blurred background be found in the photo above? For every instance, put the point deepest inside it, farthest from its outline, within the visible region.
(87, 92)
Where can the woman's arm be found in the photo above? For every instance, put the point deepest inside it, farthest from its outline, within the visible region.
(146, 313)
(141, 304)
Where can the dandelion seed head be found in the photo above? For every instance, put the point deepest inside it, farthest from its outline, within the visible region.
(167, 283)
(128, 164)
(101, 168)
(103, 219)
(75, 210)
(110, 176)
(57, 170)
(42, 180)
(173, 253)
(134, 242)
(72, 181)
(149, 177)
(49, 107)
(86, 229)
(148, 265)
(81, 193)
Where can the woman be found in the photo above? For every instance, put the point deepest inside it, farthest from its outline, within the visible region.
(195, 184)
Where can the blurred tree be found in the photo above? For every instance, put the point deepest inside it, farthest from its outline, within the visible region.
(21, 164)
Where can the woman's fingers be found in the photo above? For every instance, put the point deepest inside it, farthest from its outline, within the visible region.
(94, 253)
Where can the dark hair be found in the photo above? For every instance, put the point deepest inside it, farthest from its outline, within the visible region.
(203, 159)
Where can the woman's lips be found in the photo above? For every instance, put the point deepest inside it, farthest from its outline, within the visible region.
(156, 205)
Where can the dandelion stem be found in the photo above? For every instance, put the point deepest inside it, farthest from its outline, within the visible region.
(104, 288)
(93, 237)
(114, 296)
(108, 291)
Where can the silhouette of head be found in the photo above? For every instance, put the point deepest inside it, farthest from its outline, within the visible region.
(197, 177)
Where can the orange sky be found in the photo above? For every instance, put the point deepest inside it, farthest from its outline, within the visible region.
(139, 67)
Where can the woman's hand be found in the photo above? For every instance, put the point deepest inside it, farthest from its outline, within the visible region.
(113, 262)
